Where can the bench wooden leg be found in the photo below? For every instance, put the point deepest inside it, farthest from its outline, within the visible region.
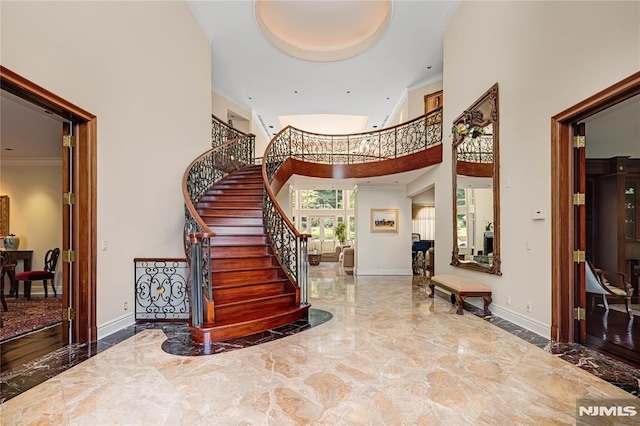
(460, 310)
(432, 287)
(487, 302)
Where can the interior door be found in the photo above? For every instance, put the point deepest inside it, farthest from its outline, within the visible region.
(67, 217)
(580, 216)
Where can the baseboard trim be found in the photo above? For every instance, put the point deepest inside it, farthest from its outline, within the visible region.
(115, 325)
(384, 272)
(530, 324)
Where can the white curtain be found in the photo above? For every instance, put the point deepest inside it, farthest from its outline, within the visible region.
(424, 221)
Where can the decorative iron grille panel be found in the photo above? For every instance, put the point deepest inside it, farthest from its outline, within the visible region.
(221, 132)
(205, 171)
(283, 239)
(161, 289)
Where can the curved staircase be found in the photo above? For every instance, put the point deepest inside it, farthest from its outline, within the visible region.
(248, 261)
(251, 290)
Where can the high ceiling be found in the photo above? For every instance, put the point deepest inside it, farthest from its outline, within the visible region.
(401, 44)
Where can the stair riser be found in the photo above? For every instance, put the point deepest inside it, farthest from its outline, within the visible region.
(226, 205)
(219, 240)
(240, 186)
(204, 213)
(241, 277)
(232, 251)
(242, 262)
(237, 230)
(215, 200)
(235, 294)
(252, 308)
(234, 221)
(215, 191)
(245, 180)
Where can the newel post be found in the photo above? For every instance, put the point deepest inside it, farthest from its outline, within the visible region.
(303, 268)
(196, 303)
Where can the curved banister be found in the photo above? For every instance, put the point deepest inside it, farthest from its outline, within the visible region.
(226, 156)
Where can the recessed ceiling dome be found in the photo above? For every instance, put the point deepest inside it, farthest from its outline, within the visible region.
(317, 30)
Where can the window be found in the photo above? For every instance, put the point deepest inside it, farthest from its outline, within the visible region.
(315, 228)
(352, 228)
(321, 199)
(329, 228)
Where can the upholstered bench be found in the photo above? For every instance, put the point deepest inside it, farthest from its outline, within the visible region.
(461, 287)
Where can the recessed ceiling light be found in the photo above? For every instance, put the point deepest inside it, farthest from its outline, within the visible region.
(348, 91)
(429, 67)
(295, 91)
(387, 98)
(8, 149)
(250, 97)
(271, 127)
(375, 127)
(46, 111)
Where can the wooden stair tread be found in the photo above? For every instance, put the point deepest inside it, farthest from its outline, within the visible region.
(222, 331)
(249, 284)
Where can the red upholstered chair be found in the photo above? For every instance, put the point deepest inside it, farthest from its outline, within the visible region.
(50, 262)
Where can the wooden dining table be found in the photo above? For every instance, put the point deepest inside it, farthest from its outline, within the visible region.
(12, 256)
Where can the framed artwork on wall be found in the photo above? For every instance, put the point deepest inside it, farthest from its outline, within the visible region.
(384, 220)
(432, 101)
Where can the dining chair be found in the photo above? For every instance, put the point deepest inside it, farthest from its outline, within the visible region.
(50, 263)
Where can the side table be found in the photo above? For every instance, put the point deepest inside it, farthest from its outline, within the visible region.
(314, 258)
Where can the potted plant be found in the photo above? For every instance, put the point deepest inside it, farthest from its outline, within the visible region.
(341, 232)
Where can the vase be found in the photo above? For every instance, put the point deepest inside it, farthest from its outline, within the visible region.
(11, 242)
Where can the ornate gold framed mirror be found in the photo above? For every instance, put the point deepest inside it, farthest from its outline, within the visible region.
(476, 189)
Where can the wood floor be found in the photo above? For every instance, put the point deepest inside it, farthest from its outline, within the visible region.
(17, 352)
(613, 334)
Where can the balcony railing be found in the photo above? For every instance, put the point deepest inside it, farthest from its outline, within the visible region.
(391, 143)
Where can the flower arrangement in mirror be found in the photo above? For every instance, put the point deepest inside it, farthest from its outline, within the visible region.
(463, 129)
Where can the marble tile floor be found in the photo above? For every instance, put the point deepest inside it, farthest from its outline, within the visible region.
(390, 355)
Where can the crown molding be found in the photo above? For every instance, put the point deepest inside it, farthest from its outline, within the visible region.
(424, 83)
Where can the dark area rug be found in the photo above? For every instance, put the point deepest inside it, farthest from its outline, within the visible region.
(25, 316)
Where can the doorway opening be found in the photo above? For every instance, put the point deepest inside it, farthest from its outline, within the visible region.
(79, 246)
(569, 231)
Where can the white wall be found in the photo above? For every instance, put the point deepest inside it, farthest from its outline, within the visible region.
(546, 57)
(382, 253)
(144, 69)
